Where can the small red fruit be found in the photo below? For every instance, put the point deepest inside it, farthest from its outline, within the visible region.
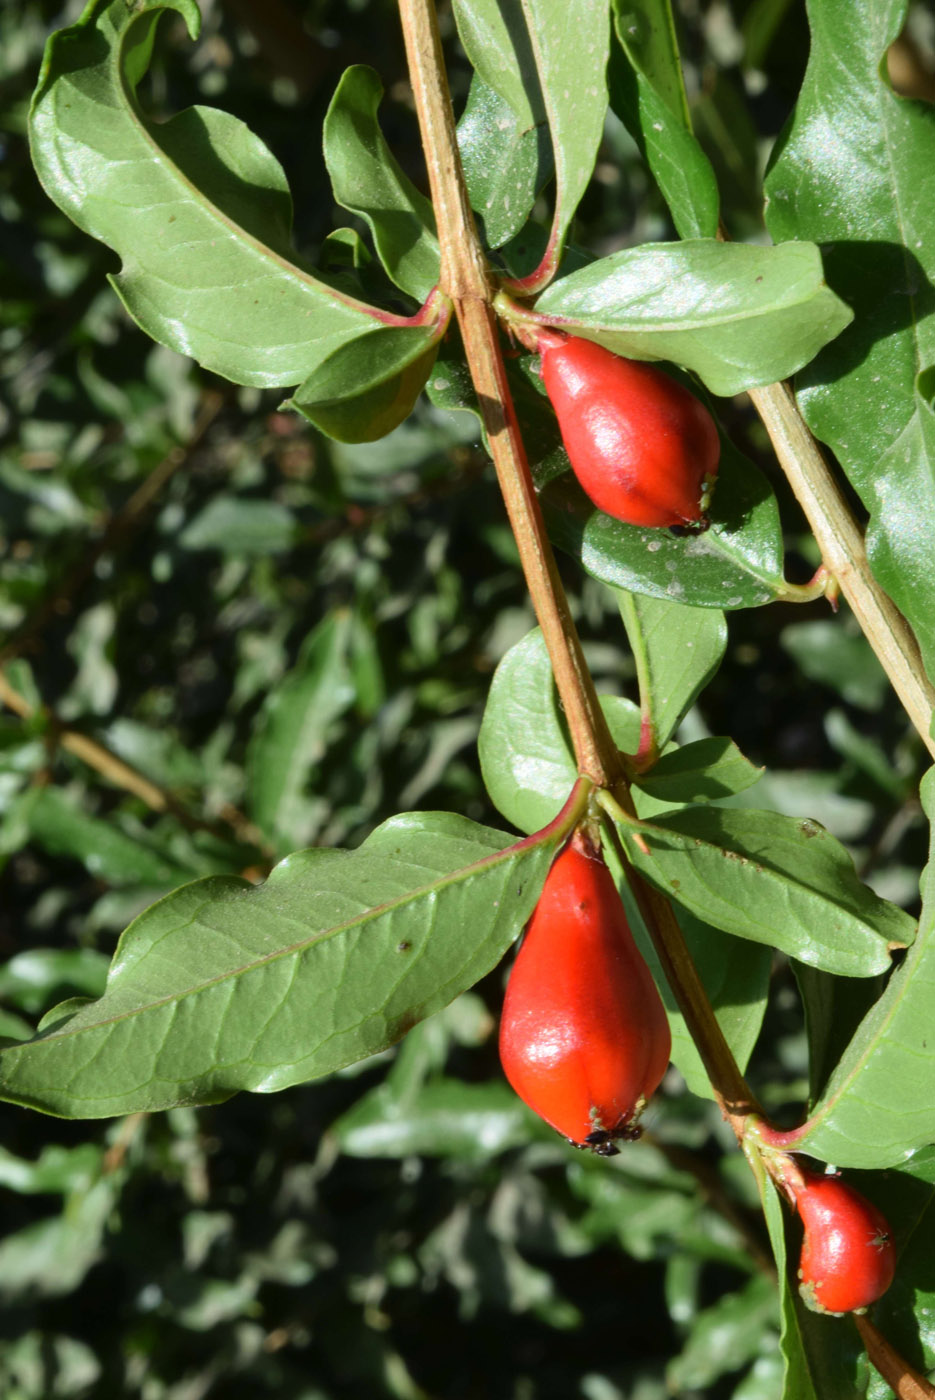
(847, 1259)
(645, 450)
(584, 1038)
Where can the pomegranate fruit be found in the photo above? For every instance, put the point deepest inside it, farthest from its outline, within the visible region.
(847, 1259)
(584, 1038)
(644, 449)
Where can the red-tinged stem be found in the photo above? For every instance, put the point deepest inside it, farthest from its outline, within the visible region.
(466, 278)
(534, 282)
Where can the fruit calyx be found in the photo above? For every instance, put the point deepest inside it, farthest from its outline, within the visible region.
(584, 1037)
(848, 1258)
(645, 449)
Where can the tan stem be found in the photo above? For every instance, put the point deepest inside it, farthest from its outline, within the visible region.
(842, 548)
(465, 277)
(732, 1093)
(905, 1382)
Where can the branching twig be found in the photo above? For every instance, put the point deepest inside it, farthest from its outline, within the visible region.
(903, 1379)
(842, 549)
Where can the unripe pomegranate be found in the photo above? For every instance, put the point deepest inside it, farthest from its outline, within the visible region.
(584, 1038)
(847, 1259)
(645, 450)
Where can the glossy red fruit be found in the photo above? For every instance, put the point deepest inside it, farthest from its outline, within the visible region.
(645, 450)
(584, 1038)
(847, 1259)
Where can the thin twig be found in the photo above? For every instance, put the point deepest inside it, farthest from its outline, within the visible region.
(732, 1093)
(904, 1380)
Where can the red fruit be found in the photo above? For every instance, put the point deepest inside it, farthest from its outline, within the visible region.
(848, 1258)
(645, 450)
(584, 1038)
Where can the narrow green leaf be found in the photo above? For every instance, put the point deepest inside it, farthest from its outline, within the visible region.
(725, 1336)
(221, 986)
(797, 1381)
(197, 207)
(367, 179)
(63, 827)
(878, 1108)
(445, 1118)
(292, 734)
(776, 880)
(736, 314)
(677, 651)
(854, 171)
(548, 63)
(506, 162)
(647, 92)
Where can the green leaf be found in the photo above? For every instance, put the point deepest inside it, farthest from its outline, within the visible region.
(735, 314)
(735, 975)
(725, 1336)
(647, 92)
(854, 172)
(57, 1171)
(677, 651)
(197, 207)
(368, 386)
(505, 161)
(445, 1118)
(368, 181)
(222, 986)
(737, 563)
(830, 652)
(238, 525)
(525, 752)
(877, 1107)
(798, 1380)
(31, 978)
(905, 1313)
(547, 62)
(64, 827)
(292, 734)
(773, 879)
(53, 1256)
(705, 771)
(834, 1008)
